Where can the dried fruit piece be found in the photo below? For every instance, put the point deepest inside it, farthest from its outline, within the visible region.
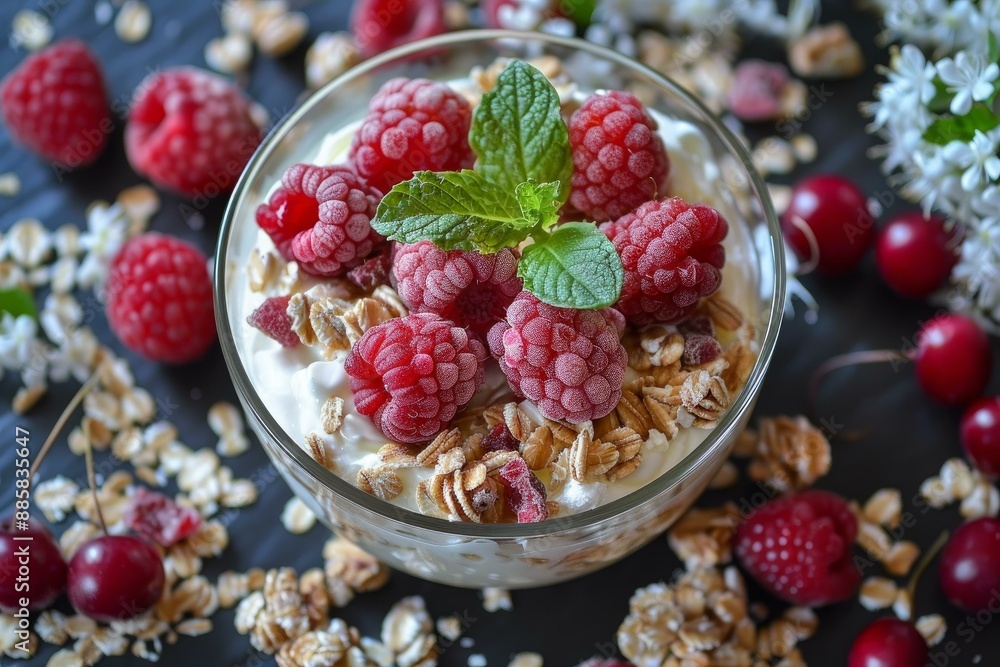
(499, 439)
(271, 317)
(524, 493)
(158, 518)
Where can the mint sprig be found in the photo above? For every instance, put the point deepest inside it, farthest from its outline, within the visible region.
(962, 128)
(520, 181)
(17, 302)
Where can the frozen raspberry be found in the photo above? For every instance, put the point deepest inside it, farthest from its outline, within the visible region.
(412, 374)
(412, 125)
(321, 218)
(524, 493)
(672, 255)
(55, 104)
(697, 324)
(799, 548)
(571, 363)
(700, 349)
(619, 161)
(158, 299)
(191, 131)
(379, 25)
(468, 288)
(500, 439)
(271, 318)
(757, 91)
(375, 271)
(158, 518)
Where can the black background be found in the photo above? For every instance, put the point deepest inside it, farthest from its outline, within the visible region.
(907, 436)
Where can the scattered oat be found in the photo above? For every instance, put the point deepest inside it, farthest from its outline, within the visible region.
(226, 421)
(25, 398)
(877, 593)
(933, 628)
(982, 501)
(704, 537)
(10, 184)
(449, 627)
(279, 33)
(900, 557)
(55, 497)
(826, 52)
(477, 660)
(297, 518)
(781, 196)
(805, 148)
(30, 29)
(133, 21)
(884, 508)
(526, 659)
(28, 243)
(902, 606)
(230, 53)
(495, 599)
(332, 54)
(773, 155)
(790, 453)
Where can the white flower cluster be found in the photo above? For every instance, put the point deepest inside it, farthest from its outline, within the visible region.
(941, 26)
(942, 132)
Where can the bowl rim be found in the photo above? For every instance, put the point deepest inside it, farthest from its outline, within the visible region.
(504, 532)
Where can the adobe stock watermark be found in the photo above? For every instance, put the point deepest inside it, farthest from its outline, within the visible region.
(967, 630)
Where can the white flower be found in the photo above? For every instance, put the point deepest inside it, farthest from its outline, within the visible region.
(18, 340)
(978, 157)
(107, 231)
(970, 78)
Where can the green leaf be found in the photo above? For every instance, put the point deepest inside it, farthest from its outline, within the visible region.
(961, 128)
(994, 49)
(17, 302)
(576, 267)
(581, 11)
(454, 210)
(539, 202)
(519, 134)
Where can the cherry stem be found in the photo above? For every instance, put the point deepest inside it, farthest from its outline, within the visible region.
(843, 361)
(930, 555)
(810, 265)
(92, 481)
(60, 423)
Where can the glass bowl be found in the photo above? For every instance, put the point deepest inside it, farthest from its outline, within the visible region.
(507, 555)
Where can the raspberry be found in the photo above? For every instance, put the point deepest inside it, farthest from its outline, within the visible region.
(412, 374)
(55, 104)
(700, 349)
(500, 439)
(468, 288)
(321, 218)
(757, 90)
(412, 125)
(570, 363)
(799, 548)
(672, 255)
(159, 299)
(379, 25)
(158, 518)
(375, 271)
(191, 131)
(619, 161)
(271, 318)
(697, 324)
(524, 494)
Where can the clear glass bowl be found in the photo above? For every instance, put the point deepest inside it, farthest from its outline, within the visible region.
(510, 555)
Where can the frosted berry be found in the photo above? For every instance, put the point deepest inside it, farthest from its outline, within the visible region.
(468, 288)
(570, 363)
(55, 104)
(970, 565)
(375, 270)
(835, 213)
(271, 318)
(158, 518)
(673, 255)
(524, 494)
(619, 161)
(379, 25)
(321, 217)
(953, 359)
(499, 439)
(981, 435)
(411, 375)
(191, 131)
(412, 125)
(115, 577)
(758, 90)
(158, 299)
(798, 547)
(700, 349)
(888, 642)
(915, 254)
(45, 575)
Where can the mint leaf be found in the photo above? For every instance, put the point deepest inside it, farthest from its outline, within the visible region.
(539, 202)
(576, 267)
(454, 210)
(518, 131)
(580, 11)
(17, 302)
(961, 128)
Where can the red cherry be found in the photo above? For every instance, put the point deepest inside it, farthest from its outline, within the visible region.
(953, 359)
(115, 577)
(915, 254)
(41, 579)
(981, 435)
(888, 642)
(970, 565)
(836, 213)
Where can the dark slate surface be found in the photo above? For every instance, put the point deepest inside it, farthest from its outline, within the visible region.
(907, 437)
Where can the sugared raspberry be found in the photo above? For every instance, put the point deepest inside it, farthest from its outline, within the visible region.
(271, 318)
(412, 125)
(700, 349)
(321, 218)
(471, 289)
(55, 103)
(158, 518)
(191, 131)
(375, 270)
(158, 299)
(570, 363)
(524, 494)
(499, 439)
(412, 374)
(619, 161)
(379, 25)
(799, 548)
(672, 255)
(758, 89)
